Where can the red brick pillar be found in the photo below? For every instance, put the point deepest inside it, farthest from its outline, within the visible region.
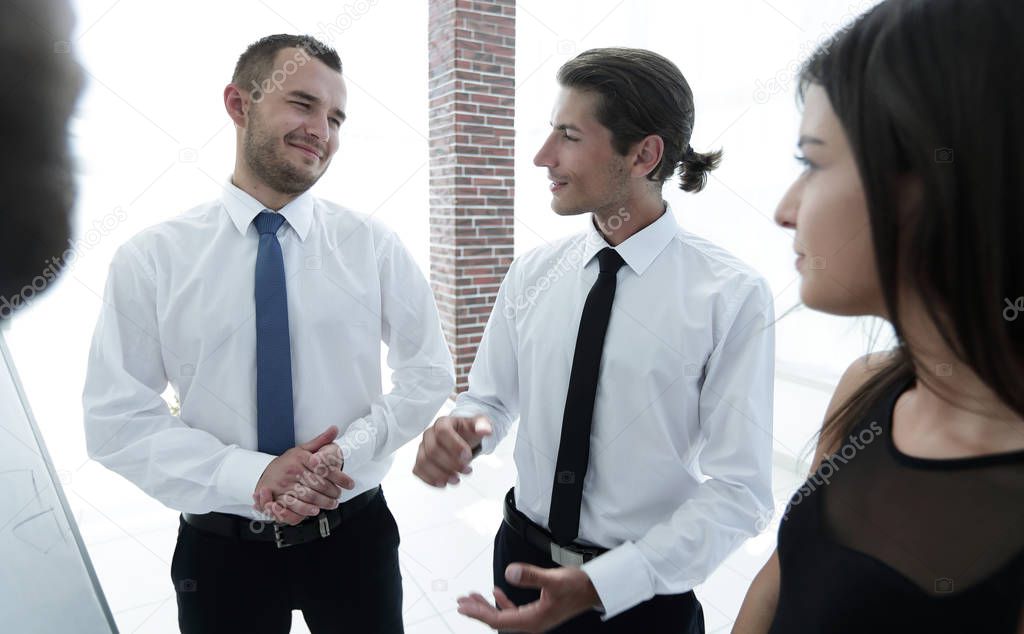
(472, 105)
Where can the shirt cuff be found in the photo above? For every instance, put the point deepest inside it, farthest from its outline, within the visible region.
(357, 444)
(621, 578)
(240, 473)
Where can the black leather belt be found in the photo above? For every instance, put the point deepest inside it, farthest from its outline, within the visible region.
(571, 555)
(283, 535)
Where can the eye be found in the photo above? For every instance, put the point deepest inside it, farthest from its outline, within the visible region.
(303, 105)
(336, 122)
(565, 134)
(808, 164)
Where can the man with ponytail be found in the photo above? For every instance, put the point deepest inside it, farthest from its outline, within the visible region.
(638, 359)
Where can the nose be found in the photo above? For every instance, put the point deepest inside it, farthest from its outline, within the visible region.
(785, 212)
(545, 157)
(319, 127)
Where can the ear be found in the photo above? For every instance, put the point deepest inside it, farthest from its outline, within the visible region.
(237, 103)
(648, 154)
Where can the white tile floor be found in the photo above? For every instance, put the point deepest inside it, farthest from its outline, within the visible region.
(445, 552)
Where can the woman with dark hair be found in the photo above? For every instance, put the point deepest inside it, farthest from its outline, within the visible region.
(910, 209)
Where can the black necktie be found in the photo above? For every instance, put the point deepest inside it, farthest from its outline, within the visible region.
(574, 447)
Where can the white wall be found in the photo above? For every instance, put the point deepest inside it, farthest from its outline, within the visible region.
(152, 139)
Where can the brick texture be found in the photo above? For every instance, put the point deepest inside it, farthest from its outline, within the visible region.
(472, 108)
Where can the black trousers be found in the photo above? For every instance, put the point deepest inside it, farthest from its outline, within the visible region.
(348, 582)
(665, 613)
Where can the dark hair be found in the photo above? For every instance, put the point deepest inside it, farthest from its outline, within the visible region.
(933, 89)
(642, 93)
(42, 82)
(256, 65)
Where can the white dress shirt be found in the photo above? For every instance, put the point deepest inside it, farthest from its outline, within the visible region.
(681, 444)
(179, 307)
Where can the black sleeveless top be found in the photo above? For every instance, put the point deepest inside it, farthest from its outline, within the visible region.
(878, 541)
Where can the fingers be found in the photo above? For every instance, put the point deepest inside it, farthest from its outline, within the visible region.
(287, 509)
(477, 607)
(277, 511)
(315, 477)
(330, 456)
(340, 479)
(527, 576)
(442, 455)
(298, 506)
(502, 600)
(430, 472)
(473, 430)
(261, 498)
(315, 498)
(329, 464)
(301, 489)
(325, 438)
(452, 453)
(286, 516)
(506, 617)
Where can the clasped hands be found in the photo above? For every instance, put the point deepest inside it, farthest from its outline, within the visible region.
(309, 477)
(303, 481)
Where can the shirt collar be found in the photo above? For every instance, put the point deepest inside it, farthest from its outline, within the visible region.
(639, 249)
(242, 208)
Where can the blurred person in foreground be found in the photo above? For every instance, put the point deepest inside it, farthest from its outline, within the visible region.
(42, 81)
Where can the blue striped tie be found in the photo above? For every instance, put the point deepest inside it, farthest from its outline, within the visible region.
(275, 417)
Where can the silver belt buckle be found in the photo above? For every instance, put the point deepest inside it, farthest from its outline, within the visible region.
(278, 538)
(565, 557)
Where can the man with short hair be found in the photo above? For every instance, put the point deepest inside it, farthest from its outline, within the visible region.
(265, 311)
(37, 188)
(638, 358)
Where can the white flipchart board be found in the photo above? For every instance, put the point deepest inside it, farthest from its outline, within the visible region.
(47, 582)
